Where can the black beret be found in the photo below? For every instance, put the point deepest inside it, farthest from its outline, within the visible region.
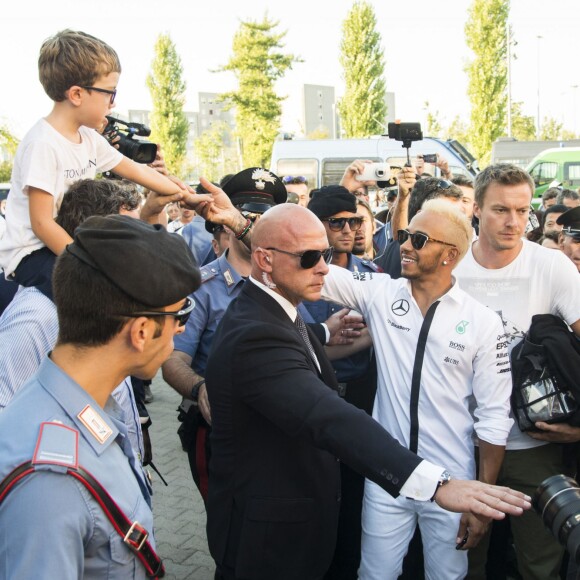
(146, 262)
(330, 200)
(255, 189)
(571, 222)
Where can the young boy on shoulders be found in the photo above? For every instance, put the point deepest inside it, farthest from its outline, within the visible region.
(80, 74)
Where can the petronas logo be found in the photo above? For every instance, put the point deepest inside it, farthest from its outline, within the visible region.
(461, 327)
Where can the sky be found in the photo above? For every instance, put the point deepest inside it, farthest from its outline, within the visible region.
(423, 41)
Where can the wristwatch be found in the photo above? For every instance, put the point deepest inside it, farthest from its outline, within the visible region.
(194, 395)
(444, 478)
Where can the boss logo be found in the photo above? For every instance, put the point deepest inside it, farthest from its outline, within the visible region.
(456, 346)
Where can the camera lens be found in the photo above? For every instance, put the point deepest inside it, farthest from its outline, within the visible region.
(380, 172)
(557, 502)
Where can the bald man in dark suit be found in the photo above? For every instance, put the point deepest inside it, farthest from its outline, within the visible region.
(280, 428)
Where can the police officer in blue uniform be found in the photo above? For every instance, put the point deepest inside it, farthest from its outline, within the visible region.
(65, 451)
(336, 207)
(253, 191)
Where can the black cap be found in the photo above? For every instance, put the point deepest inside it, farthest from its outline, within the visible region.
(255, 190)
(330, 200)
(571, 222)
(146, 262)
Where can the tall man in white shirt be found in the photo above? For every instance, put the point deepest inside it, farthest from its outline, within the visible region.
(449, 352)
(518, 279)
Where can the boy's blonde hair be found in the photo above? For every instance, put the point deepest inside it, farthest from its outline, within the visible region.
(71, 58)
(460, 232)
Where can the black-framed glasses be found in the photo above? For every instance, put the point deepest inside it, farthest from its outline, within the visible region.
(337, 224)
(418, 239)
(309, 258)
(182, 315)
(112, 94)
(287, 179)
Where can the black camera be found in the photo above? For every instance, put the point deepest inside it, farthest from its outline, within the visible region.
(557, 502)
(139, 150)
(407, 133)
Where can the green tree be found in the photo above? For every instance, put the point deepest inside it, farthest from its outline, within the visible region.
(568, 135)
(362, 108)
(434, 128)
(523, 126)
(551, 130)
(169, 125)
(459, 131)
(257, 63)
(485, 32)
(9, 144)
(210, 152)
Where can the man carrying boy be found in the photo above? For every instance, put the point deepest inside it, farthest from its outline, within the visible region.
(80, 74)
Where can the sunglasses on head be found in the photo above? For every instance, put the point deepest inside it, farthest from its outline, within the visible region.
(418, 239)
(182, 315)
(309, 258)
(294, 179)
(337, 224)
(444, 184)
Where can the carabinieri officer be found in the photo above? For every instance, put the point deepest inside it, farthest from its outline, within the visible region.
(74, 502)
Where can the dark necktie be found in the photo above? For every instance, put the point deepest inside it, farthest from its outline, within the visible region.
(301, 326)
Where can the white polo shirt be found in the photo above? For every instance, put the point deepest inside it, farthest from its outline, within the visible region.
(465, 365)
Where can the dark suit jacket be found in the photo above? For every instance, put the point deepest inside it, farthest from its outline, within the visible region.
(279, 431)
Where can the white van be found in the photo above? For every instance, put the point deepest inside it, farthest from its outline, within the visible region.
(323, 161)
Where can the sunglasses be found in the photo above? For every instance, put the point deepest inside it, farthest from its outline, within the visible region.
(309, 258)
(112, 94)
(418, 239)
(337, 224)
(182, 316)
(294, 179)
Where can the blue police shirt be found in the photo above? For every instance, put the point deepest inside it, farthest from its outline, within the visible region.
(356, 365)
(199, 240)
(220, 284)
(50, 526)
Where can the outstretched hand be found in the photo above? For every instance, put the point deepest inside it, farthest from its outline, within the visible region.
(214, 206)
(481, 499)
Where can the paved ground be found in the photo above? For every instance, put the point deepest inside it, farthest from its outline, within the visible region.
(178, 509)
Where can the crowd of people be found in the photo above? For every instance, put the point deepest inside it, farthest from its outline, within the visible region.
(343, 363)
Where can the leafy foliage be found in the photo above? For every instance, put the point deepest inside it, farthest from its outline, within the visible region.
(523, 126)
(551, 129)
(485, 33)
(257, 63)
(169, 125)
(362, 108)
(213, 158)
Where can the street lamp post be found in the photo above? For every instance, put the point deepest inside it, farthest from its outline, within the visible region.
(575, 87)
(538, 126)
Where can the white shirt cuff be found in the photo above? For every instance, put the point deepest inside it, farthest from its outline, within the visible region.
(422, 483)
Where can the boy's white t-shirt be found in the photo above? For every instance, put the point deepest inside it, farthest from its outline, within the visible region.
(47, 160)
(538, 281)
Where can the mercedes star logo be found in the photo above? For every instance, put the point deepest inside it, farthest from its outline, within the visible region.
(400, 307)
